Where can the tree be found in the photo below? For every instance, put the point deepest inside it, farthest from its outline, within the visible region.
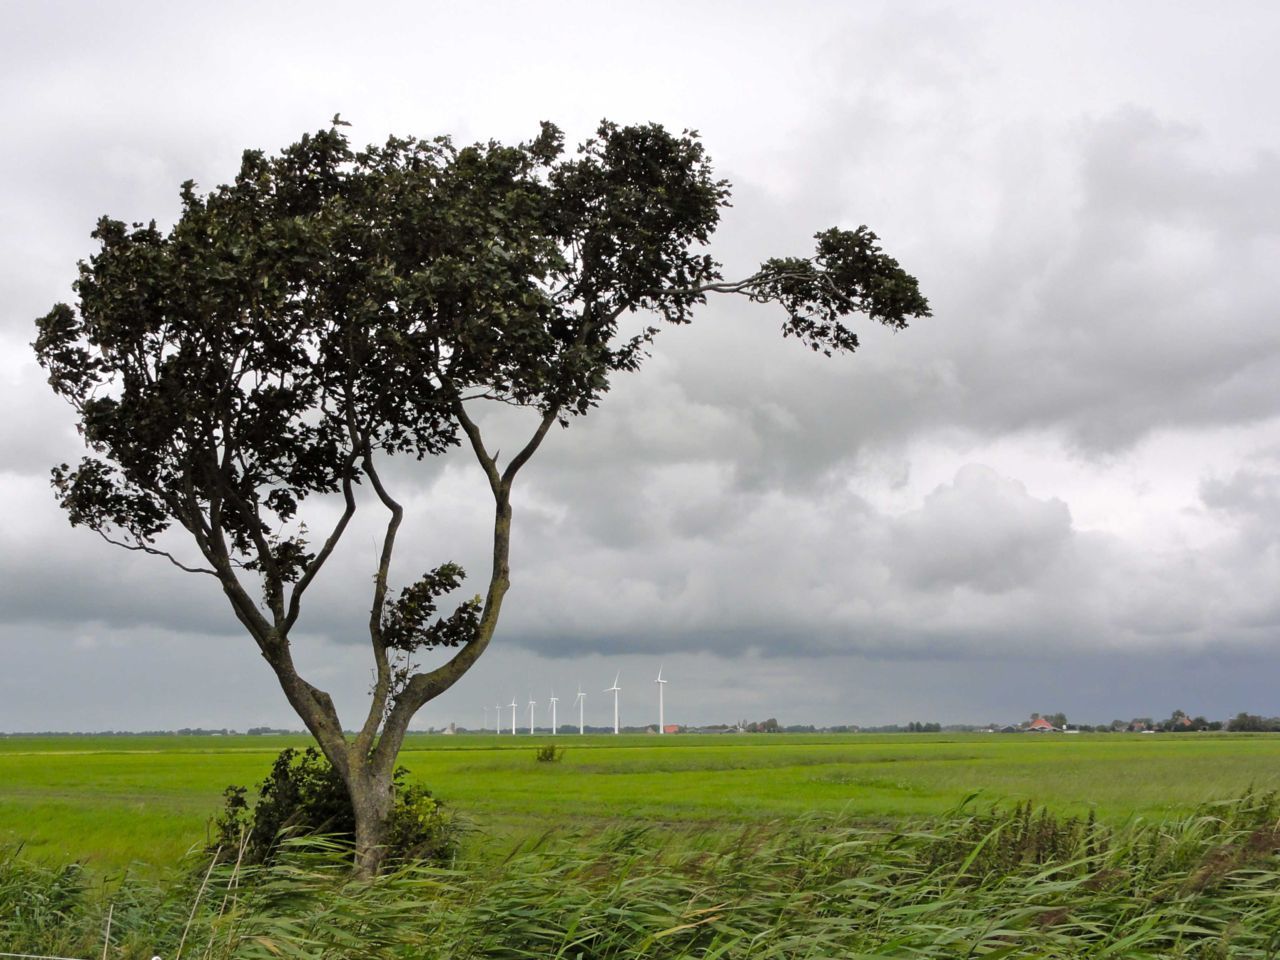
(331, 308)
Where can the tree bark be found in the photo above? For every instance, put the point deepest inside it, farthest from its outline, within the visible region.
(372, 798)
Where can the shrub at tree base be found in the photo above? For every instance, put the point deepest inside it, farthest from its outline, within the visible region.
(304, 795)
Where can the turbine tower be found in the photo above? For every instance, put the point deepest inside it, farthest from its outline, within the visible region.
(662, 684)
(554, 701)
(532, 703)
(614, 690)
(513, 716)
(497, 717)
(580, 701)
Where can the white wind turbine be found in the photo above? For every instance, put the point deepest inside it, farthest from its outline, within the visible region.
(497, 717)
(614, 690)
(532, 703)
(662, 685)
(580, 701)
(513, 716)
(554, 701)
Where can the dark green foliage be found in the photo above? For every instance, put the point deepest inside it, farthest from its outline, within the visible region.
(1250, 723)
(548, 753)
(915, 726)
(303, 795)
(406, 621)
(849, 274)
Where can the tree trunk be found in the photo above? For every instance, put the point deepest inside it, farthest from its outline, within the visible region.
(371, 801)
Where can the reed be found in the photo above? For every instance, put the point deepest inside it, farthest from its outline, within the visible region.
(992, 881)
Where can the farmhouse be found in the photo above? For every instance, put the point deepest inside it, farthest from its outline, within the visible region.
(1040, 725)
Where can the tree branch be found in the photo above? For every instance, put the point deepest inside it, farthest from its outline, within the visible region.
(313, 568)
(382, 685)
(143, 548)
(521, 458)
(487, 463)
(270, 570)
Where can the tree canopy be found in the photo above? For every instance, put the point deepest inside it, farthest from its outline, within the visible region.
(332, 307)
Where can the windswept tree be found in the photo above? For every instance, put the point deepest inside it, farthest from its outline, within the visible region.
(330, 308)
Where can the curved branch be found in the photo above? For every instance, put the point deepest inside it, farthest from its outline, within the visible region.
(270, 569)
(521, 458)
(143, 548)
(382, 685)
(488, 463)
(313, 568)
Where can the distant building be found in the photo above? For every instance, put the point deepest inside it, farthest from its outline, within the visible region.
(671, 728)
(1040, 725)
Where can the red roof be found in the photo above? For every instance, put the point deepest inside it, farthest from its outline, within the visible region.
(1040, 723)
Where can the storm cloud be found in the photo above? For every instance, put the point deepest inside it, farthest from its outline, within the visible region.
(1060, 492)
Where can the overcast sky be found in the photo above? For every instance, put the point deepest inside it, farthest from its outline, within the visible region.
(1062, 492)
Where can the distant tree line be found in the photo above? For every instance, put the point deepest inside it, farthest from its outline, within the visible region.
(1249, 723)
(183, 732)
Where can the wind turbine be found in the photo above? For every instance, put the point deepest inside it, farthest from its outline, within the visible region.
(513, 716)
(614, 690)
(554, 701)
(532, 703)
(580, 701)
(497, 717)
(662, 684)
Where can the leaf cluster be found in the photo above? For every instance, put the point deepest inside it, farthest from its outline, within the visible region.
(407, 621)
(850, 274)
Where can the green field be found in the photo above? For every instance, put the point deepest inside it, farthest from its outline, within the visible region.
(116, 800)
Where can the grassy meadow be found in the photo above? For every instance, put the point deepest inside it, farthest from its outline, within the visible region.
(112, 801)
(752, 846)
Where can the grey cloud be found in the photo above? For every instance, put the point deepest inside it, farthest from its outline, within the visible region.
(100, 679)
(1122, 285)
(1101, 273)
(51, 574)
(980, 569)
(1250, 500)
(982, 532)
(1250, 495)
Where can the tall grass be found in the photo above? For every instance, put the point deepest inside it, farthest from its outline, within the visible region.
(994, 882)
